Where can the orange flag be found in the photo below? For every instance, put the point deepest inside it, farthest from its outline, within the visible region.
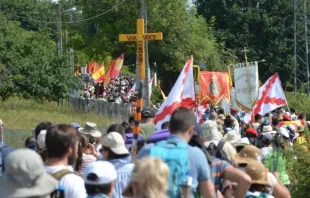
(99, 75)
(115, 69)
(91, 67)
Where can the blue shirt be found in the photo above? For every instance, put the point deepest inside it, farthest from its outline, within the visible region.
(124, 169)
(199, 167)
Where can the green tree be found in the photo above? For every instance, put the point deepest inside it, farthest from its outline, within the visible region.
(184, 32)
(264, 27)
(30, 66)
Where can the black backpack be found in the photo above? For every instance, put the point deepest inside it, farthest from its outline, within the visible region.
(217, 151)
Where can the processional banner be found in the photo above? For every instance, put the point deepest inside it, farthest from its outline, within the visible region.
(246, 84)
(214, 86)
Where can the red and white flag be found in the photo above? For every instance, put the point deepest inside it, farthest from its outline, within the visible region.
(181, 94)
(201, 112)
(271, 96)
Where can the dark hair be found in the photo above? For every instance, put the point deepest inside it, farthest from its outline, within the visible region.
(165, 125)
(228, 122)
(112, 155)
(221, 111)
(59, 138)
(301, 116)
(125, 125)
(131, 119)
(30, 142)
(258, 117)
(274, 121)
(181, 120)
(97, 189)
(42, 126)
(267, 114)
(116, 128)
(91, 139)
(128, 130)
(259, 188)
(293, 110)
(266, 142)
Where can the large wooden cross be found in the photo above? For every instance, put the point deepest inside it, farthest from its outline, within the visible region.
(140, 37)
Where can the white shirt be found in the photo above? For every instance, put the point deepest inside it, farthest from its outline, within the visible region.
(74, 185)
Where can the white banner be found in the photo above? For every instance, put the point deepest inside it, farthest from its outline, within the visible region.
(246, 84)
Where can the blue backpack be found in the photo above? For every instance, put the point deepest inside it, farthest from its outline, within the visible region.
(175, 155)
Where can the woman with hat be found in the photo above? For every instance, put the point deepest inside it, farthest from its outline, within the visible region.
(259, 176)
(251, 153)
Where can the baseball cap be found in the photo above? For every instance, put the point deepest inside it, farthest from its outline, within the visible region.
(41, 139)
(148, 113)
(104, 170)
(76, 125)
(115, 142)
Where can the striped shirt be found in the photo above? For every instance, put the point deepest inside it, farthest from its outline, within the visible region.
(86, 159)
(218, 170)
(124, 169)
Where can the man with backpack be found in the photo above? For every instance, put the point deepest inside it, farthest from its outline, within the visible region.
(62, 146)
(188, 165)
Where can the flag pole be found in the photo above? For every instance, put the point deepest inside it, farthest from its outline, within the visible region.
(136, 128)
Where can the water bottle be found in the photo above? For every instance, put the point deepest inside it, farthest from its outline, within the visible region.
(60, 192)
(186, 186)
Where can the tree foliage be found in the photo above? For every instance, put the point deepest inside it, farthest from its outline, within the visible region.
(184, 32)
(264, 27)
(30, 66)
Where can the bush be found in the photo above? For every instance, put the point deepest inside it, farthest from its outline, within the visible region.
(298, 164)
(300, 101)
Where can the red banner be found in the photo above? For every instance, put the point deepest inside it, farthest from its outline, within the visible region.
(214, 86)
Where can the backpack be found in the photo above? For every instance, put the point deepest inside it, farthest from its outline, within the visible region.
(59, 192)
(175, 155)
(2, 145)
(217, 151)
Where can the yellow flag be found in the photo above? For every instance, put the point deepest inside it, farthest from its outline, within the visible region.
(99, 73)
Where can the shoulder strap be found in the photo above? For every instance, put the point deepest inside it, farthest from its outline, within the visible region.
(60, 174)
(220, 145)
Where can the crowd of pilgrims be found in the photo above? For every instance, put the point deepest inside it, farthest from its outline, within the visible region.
(223, 157)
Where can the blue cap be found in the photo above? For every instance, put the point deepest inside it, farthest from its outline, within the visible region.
(76, 125)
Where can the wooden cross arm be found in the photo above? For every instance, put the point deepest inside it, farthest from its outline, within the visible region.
(146, 37)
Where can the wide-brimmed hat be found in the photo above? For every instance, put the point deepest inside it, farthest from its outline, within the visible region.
(248, 154)
(268, 129)
(210, 131)
(232, 137)
(90, 128)
(25, 176)
(241, 142)
(115, 142)
(258, 173)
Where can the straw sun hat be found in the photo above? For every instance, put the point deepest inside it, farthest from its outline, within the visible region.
(258, 173)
